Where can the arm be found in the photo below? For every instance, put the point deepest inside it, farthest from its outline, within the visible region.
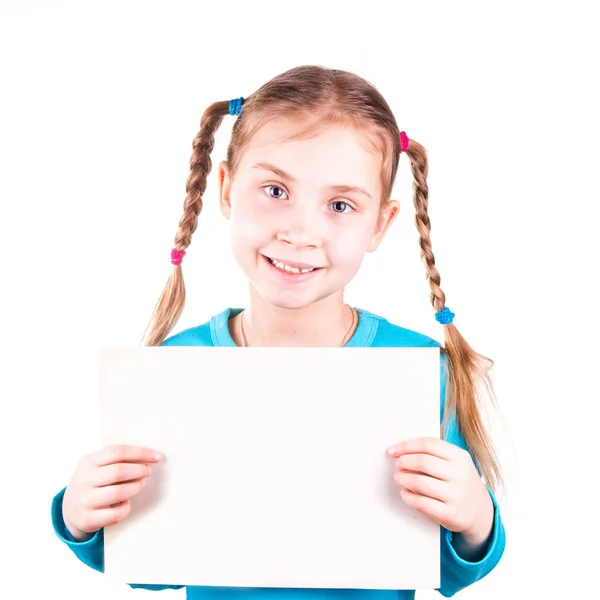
(90, 552)
(460, 565)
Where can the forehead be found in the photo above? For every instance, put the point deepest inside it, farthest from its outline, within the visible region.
(334, 154)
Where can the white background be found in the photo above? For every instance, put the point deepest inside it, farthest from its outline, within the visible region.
(99, 104)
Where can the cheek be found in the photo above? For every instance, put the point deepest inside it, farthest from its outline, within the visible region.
(249, 226)
(350, 246)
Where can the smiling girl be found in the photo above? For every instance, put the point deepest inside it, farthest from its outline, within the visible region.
(306, 187)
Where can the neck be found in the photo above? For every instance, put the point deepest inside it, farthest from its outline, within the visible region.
(324, 323)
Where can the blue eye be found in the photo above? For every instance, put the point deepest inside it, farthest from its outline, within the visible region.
(276, 187)
(340, 206)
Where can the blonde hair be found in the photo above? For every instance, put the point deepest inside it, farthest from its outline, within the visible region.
(315, 97)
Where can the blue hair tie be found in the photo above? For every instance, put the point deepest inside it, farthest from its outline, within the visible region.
(235, 106)
(445, 316)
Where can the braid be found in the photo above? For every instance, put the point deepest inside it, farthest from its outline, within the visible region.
(467, 369)
(171, 302)
(420, 170)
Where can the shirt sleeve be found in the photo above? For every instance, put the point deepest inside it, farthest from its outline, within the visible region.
(90, 552)
(457, 573)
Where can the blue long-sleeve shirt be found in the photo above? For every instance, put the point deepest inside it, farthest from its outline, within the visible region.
(456, 573)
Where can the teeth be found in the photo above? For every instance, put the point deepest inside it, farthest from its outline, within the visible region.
(289, 269)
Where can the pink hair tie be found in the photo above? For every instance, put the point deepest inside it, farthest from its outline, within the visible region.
(177, 256)
(403, 141)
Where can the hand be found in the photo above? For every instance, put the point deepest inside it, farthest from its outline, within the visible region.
(101, 487)
(440, 480)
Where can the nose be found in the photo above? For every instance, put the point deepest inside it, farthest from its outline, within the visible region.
(299, 228)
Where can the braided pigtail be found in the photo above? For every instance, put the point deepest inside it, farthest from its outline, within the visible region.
(468, 371)
(171, 302)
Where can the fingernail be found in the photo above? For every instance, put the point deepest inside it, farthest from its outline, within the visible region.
(391, 450)
(158, 456)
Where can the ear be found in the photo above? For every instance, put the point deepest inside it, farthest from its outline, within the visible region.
(225, 190)
(387, 216)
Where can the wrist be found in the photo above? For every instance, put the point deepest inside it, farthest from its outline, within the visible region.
(472, 543)
(78, 534)
(481, 529)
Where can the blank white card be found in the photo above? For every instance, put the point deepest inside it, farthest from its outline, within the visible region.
(275, 470)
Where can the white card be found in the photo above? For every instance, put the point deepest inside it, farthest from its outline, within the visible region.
(275, 470)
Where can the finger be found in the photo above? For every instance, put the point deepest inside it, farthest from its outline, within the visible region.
(123, 453)
(423, 445)
(422, 484)
(119, 473)
(104, 517)
(431, 507)
(424, 463)
(104, 497)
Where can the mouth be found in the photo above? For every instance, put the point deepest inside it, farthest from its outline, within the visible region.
(292, 267)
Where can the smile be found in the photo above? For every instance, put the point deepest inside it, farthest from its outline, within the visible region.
(290, 267)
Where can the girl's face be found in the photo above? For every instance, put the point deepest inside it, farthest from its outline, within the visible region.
(304, 212)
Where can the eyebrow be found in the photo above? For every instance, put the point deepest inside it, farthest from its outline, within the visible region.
(281, 173)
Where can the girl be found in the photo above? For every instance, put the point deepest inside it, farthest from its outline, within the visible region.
(307, 188)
